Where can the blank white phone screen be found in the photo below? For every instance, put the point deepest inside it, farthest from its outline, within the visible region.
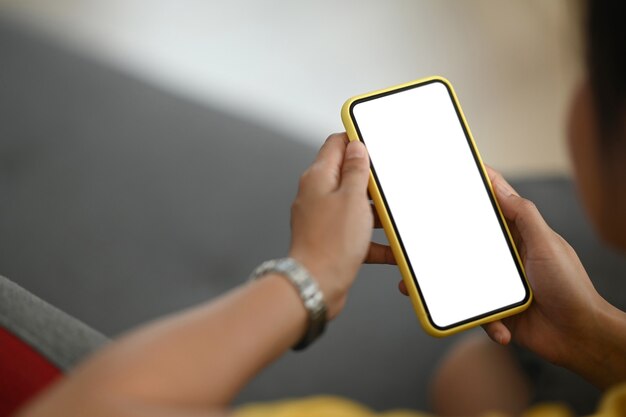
(439, 203)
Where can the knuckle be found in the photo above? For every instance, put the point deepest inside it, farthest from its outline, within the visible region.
(527, 205)
(332, 136)
(315, 173)
(354, 165)
(497, 174)
(296, 205)
(316, 168)
(308, 173)
(497, 177)
(305, 178)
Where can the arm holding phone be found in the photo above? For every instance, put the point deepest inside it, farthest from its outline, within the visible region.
(175, 367)
(196, 361)
(569, 323)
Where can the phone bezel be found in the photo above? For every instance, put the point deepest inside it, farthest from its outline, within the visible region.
(486, 183)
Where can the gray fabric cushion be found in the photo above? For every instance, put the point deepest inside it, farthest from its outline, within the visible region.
(62, 339)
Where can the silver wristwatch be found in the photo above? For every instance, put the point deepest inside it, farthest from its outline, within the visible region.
(308, 289)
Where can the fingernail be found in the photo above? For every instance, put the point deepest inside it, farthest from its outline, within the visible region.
(499, 337)
(354, 150)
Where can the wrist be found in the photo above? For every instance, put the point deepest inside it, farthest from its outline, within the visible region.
(612, 340)
(599, 355)
(307, 289)
(327, 279)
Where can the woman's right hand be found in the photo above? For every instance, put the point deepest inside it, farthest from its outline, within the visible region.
(568, 323)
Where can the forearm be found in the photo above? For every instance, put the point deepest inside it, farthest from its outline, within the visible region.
(195, 362)
(198, 359)
(601, 358)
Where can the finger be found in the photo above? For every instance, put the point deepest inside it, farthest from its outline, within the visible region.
(531, 228)
(496, 178)
(498, 332)
(519, 242)
(324, 175)
(356, 170)
(402, 288)
(379, 254)
(498, 182)
(528, 227)
(377, 223)
(335, 143)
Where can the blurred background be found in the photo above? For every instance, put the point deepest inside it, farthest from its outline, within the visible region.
(290, 66)
(150, 150)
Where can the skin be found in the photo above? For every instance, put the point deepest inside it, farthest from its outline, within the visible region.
(599, 170)
(569, 323)
(174, 367)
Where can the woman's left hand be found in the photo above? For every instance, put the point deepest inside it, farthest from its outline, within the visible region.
(332, 219)
(173, 366)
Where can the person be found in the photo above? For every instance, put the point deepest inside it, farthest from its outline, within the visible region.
(194, 362)
(553, 328)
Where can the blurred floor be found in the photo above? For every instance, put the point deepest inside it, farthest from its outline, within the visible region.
(290, 65)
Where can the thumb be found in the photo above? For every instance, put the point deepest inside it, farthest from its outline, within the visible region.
(355, 169)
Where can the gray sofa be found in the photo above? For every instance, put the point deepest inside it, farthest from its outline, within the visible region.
(120, 202)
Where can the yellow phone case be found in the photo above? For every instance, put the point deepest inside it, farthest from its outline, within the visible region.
(385, 219)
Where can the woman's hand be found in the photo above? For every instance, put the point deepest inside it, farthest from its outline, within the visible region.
(174, 367)
(568, 323)
(332, 219)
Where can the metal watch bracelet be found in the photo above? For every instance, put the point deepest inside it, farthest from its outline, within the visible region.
(308, 289)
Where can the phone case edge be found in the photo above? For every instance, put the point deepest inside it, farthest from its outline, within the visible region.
(407, 277)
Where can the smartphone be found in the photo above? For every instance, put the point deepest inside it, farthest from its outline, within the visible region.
(437, 207)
